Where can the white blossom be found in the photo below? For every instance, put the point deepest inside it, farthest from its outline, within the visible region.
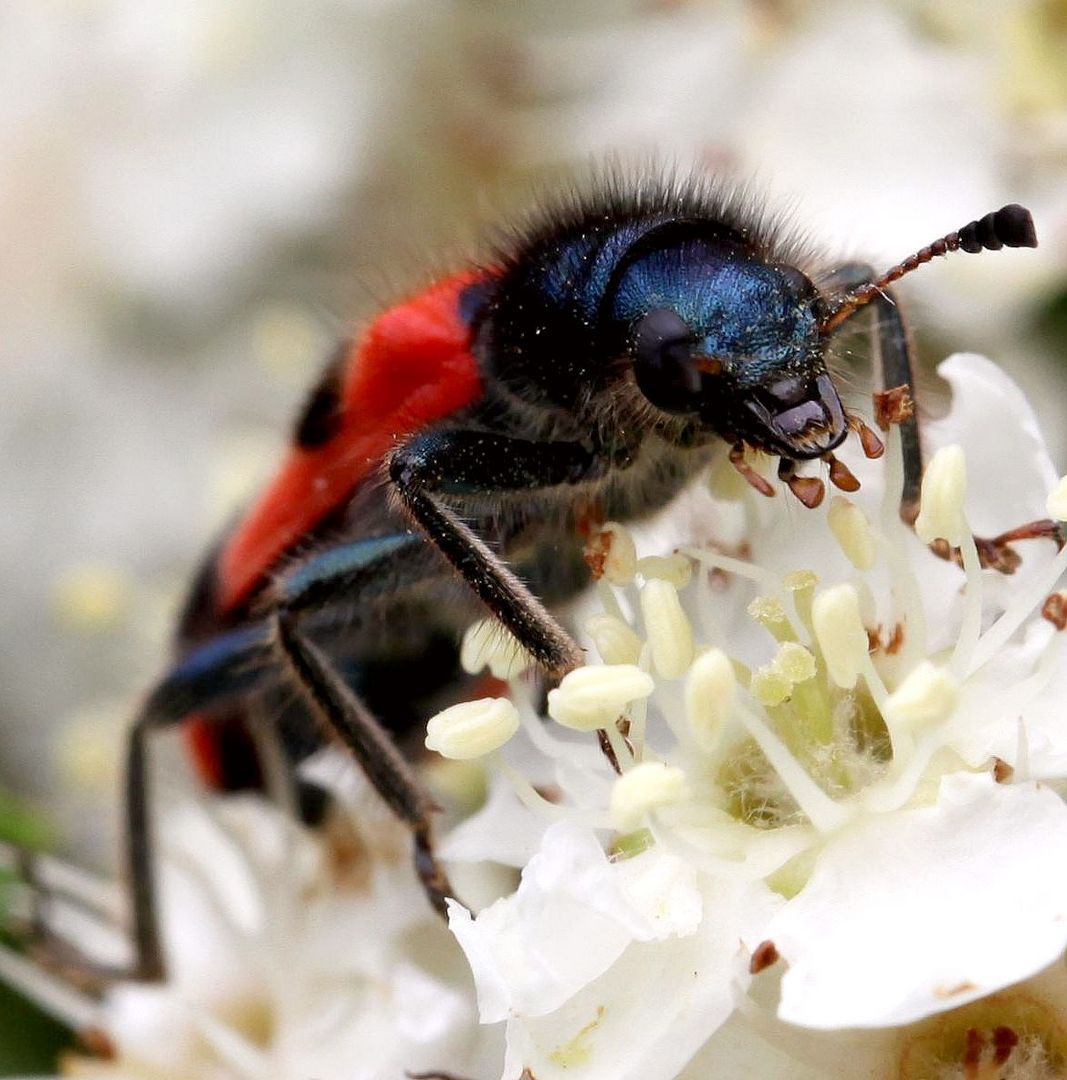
(865, 797)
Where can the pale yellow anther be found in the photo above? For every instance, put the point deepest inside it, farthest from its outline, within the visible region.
(488, 644)
(594, 697)
(667, 627)
(1056, 504)
(644, 788)
(472, 728)
(710, 695)
(929, 695)
(676, 568)
(853, 532)
(620, 560)
(839, 630)
(944, 488)
(614, 640)
(794, 662)
(770, 687)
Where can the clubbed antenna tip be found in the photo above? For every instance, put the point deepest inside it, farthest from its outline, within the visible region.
(1010, 226)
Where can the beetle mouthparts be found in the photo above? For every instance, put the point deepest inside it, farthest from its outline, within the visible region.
(801, 419)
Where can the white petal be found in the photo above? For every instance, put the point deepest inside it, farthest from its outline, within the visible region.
(912, 913)
(646, 1017)
(567, 923)
(996, 425)
(502, 831)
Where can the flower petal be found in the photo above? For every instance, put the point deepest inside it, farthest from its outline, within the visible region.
(912, 913)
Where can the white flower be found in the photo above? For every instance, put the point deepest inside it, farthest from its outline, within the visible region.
(866, 796)
(290, 955)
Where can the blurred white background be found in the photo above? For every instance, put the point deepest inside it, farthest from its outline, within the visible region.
(195, 198)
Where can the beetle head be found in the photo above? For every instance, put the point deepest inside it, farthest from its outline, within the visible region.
(732, 342)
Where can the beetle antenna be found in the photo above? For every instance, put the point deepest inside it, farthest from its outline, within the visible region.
(1010, 226)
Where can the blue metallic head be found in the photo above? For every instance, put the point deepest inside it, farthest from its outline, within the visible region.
(716, 334)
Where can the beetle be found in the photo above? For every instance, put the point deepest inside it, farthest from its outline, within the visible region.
(447, 459)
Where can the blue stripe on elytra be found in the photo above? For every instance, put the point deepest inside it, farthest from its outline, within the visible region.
(342, 560)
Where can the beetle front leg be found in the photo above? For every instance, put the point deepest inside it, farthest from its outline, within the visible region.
(897, 370)
(464, 464)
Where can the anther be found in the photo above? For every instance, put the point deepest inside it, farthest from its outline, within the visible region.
(1054, 609)
(487, 643)
(852, 531)
(737, 459)
(646, 787)
(610, 553)
(614, 639)
(765, 954)
(593, 697)
(840, 632)
(1056, 504)
(710, 694)
(667, 627)
(893, 406)
(676, 568)
(928, 696)
(472, 728)
(944, 488)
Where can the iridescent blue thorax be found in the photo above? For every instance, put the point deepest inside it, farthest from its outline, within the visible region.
(758, 319)
(713, 327)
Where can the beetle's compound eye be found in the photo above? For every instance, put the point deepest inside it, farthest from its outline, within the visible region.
(664, 365)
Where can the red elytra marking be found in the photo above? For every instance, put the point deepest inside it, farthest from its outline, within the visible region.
(410, 367)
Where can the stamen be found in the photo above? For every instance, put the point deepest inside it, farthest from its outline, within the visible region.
(841, 634)
(1056, 503)
(528, 795)
(489, 644)
(676, 568)
(1023, 604)
(710, 697)
(944, 488)
(763, 577)
(646, 787)
(667, 626)
(1031, 597)
(472, 729)
(906, 593)
(801, 583)
(971, 620)
(614, 639)
(594, 697)
(853, 532)
(610, 553)
(928, 696)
